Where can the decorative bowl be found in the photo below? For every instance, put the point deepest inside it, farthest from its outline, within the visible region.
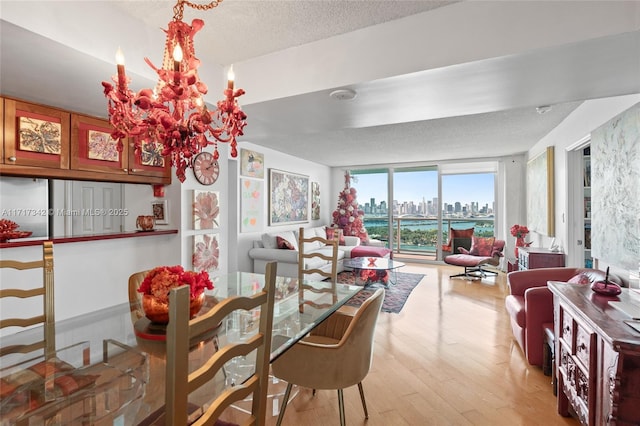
(606, 288)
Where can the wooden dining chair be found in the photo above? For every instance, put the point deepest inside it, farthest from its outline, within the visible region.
(313, 252)
(178, 410)
(43, 289)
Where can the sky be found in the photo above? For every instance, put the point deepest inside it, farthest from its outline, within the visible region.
(412, 186)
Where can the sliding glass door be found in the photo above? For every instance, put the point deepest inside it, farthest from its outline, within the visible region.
(415, 210)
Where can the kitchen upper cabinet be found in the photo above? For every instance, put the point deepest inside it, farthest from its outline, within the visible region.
(35, 135)
(150, 162)
(45, 142)
(93, 149)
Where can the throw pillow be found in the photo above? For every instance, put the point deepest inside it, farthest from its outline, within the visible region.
(457, 233)
(579, 279)
(331, 235)
(284, 244)
(481, 246)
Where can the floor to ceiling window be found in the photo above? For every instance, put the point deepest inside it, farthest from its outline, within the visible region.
(425, 203)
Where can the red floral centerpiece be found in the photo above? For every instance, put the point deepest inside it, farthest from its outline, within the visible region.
(520, 232)
(156, 285)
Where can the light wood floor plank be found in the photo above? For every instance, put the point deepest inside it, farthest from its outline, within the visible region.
(448, 358)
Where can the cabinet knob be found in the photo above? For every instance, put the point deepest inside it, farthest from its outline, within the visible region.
(133, 170)
(12, 159)
(126, 170)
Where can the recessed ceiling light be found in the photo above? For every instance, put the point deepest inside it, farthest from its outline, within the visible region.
(343, 94)
(543, 109)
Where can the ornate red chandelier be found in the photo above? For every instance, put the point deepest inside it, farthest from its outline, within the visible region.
(173, 120)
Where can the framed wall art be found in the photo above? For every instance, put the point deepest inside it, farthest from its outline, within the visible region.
(206, 209)
(160, 209)
(251, 164)
(615, 194)
(540, 194)
(206, 253)
(315, 201)
(289, 200)
(251, 205)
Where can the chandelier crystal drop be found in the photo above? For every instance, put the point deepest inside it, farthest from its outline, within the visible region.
(173, 120)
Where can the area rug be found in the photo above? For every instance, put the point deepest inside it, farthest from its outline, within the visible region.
(395, 296)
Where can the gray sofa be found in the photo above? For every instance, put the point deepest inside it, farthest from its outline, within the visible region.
(266, 250)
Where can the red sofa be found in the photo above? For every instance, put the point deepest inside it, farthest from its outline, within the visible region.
(530, 304)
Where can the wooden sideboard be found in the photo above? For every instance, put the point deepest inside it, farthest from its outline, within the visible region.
(535, 257)
(597, 356)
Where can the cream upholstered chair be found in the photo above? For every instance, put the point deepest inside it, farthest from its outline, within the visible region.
(336, 355)
(180, 383)
(45, 290)
(135, 297)
(310, 258)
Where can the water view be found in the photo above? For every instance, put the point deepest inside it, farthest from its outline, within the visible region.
(420, 234)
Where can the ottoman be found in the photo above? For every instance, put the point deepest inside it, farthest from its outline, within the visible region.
(371, 251)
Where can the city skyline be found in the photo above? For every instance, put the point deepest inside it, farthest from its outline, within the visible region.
(464, 188)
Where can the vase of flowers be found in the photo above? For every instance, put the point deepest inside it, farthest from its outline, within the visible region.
(520, 232)
(159, 281)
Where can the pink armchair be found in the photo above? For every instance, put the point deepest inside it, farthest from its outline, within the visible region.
(530, 304)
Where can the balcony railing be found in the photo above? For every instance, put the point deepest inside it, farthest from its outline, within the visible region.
(419, 235)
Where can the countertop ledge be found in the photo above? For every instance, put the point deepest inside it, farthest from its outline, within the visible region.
(92, 237)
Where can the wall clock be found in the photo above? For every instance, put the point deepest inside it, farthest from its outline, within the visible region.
(205, 168)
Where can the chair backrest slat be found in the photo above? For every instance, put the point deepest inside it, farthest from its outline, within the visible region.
(44, 289)
(180, 383)
(304, 271)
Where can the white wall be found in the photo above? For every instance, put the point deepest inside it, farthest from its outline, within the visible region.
(91, 275)
(277, 160)
(586, 118)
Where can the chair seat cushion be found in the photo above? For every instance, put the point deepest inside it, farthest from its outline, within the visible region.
(515, 308)
(466, 260)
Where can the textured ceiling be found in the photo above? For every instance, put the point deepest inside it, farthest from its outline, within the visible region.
(248, 28)
(444, 106)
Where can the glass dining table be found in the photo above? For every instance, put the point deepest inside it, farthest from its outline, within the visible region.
(124, 363)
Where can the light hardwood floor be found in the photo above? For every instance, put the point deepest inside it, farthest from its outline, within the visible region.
(447, 359)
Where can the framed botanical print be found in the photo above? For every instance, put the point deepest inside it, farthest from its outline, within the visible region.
(289, 198)
(206, 253)
(206, 209)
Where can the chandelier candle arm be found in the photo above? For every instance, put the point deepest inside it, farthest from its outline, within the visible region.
(173, 121)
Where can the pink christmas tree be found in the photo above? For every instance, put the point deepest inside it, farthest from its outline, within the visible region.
(348, 216)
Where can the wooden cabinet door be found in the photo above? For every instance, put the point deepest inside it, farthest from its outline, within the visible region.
(149, 162)
(93, 149)
(35, 135)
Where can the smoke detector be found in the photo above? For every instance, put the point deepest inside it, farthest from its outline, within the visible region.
(343, 94)
(543, 109)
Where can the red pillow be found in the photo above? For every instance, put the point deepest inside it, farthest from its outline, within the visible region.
(481, 246)
(579, 279)
(331, 235)
(284, 244)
